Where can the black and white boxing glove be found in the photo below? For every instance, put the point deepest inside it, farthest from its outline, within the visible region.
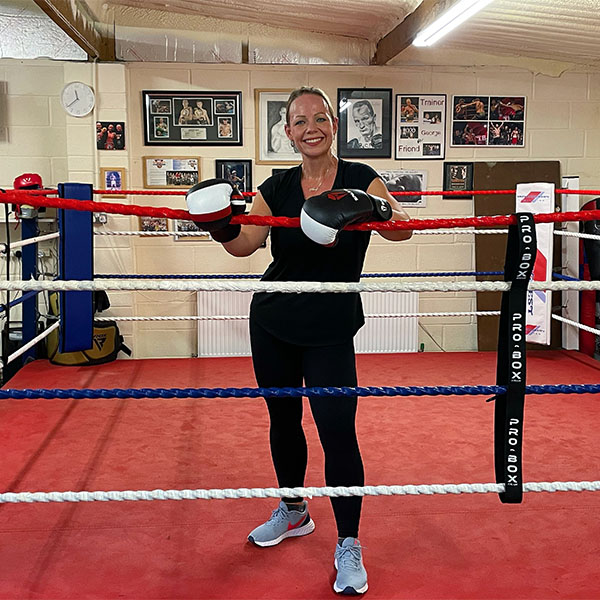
(211, 204)
(325, 215)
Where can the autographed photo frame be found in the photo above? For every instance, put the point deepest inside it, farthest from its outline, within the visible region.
(458, 176)
(113, 179)
(365, 123)
(171, 172)
(488, 121)
(420, 126)
(272, 144)
(192, 118)
(239, 172)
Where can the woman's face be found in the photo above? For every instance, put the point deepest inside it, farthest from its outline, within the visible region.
(311, 127)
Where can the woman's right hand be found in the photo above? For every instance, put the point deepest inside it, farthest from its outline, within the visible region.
(211, 205)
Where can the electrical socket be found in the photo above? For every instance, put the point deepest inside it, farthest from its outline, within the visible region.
(101, 218)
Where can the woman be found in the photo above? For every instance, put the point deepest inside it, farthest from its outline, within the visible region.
(309, 337)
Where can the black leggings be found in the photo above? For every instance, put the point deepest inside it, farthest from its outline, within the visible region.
(280, 364)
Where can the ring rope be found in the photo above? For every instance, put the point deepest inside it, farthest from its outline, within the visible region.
(28, 241)
(206, 233)
(308, 492)
(481, 313)
(412, 224)
(587, 236)
(289, 392)
(406, 193)
(565, 277)
(591, 236)
(575, 324)
(256, 276)
(30, 344)
(291, 286)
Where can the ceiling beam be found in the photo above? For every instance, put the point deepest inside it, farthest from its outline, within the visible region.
(403, 35)
(96, 39)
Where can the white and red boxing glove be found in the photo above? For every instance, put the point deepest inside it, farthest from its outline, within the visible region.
(325, 215)
(211, 204)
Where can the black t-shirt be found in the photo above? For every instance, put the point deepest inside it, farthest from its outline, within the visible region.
(311, 319)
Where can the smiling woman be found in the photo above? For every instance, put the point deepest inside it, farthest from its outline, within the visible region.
(316, 346)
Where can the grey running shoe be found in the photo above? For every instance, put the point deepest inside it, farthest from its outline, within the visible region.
(351, 575)
(283, 523)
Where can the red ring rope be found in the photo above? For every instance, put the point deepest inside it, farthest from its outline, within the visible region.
(38, 200)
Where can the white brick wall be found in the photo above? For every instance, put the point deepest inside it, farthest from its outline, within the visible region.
(563, 121)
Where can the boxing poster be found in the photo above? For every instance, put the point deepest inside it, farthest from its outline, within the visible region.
(420, 126)
(539, 198)
(488, 121)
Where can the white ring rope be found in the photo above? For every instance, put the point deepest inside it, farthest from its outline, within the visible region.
(587, 236)
(205, 233)
(310, 492)
(480, 313)
(28, 241)
(30, 343)
(290, 286)
(154, 233)
(575, 324)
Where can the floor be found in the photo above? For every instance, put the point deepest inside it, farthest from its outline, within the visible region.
(467, 546)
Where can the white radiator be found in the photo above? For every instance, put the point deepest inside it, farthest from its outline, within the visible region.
(221, 337)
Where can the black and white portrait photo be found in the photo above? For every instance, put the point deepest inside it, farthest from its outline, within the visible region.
(272, 144)
(364, 123)
(403, 180)
(278, 142)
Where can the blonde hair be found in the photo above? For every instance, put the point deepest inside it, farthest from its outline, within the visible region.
(301, 91)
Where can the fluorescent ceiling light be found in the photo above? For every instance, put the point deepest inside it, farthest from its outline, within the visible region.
(452, 18)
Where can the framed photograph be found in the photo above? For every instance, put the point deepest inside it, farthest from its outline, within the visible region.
(153, 224)
(365, 123)
(183, 229)
(420, 126)
(406, 180)
(458, 176)
(272, 143)
(171, 172)
(239, 172)
(113, 180)
(488, 121)
(192, 118)
(110, 135)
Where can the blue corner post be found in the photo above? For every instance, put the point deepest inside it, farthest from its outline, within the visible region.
(29, 229)
(76, 260)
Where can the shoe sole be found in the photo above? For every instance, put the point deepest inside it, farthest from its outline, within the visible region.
(304, 530)
(348, 590)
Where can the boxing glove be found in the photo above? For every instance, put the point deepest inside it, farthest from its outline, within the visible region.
(325, 215)
(211, 204)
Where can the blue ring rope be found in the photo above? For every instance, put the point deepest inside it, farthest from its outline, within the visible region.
(24, 297)
(565, 277)
(290, 392)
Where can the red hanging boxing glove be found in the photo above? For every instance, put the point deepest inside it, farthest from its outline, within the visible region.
(325, 215)
(211, 204)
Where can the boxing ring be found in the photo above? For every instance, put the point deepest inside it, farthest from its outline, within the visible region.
(159, 427)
